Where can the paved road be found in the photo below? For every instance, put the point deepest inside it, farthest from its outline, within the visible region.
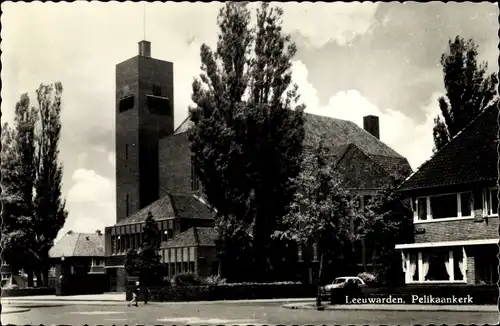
(234, 314)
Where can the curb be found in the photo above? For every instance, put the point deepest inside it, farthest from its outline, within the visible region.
(15, 311)
(390, 308)
(18, 300)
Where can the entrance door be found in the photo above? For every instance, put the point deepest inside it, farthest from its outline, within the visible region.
(111, 272)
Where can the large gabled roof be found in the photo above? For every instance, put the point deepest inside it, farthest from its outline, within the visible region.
(339, 134)
(195, 236)
(78, 245)
(471, 156)
(171, 206)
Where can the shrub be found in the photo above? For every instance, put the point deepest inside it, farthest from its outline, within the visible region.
(186, 279)
(214, 280)
(368, 278)
(10, 287)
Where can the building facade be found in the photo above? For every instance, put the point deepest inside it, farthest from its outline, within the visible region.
(455, 203)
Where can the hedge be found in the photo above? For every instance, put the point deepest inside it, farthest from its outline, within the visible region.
(480, 294)
(27, 292)
(240, 291)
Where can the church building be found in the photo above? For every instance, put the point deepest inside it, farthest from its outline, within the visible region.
(155, 174)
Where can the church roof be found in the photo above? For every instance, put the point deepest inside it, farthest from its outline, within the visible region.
(170, 206)
(78, 245)
(471, 156)
(339, 134)
(195, 236)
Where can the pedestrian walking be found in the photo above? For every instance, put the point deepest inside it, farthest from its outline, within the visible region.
(135, 295)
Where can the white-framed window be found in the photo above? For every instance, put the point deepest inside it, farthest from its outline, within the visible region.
(96, 262)
(437, 265)
(443, 207)
(490, 197)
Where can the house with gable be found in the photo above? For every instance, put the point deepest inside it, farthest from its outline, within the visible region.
(455, 204)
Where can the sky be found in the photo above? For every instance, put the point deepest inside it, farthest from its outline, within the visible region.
(353, 59)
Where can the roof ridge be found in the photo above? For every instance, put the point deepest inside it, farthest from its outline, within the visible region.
(76, 244)
(174, 208)
(344, 153)
(183, 122)
(490, 107)
(371, 158)
(196, 237)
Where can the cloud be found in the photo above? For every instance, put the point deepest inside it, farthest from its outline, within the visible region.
(409, 138)
(112, 159)
(323, 22)
(90, 202)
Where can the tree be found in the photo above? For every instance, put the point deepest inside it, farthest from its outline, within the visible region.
(50, 212)
(37, 211)
(150, 266)
(321, 211)
(248, 129)
(132, 264)
(19, 172)
(469, 90)
(389, 221)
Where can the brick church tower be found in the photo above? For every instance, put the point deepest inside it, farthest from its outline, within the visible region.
(144, 115)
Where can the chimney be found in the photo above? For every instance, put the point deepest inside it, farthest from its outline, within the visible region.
(98, 232)
(370, 124)
(145, 49)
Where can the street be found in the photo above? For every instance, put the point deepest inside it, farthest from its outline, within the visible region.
(242, 313)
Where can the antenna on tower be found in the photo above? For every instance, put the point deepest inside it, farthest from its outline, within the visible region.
(144, 21)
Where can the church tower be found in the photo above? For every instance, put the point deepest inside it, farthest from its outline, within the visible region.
(144, 115)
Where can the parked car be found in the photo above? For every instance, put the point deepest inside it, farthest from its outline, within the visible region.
(340, 283)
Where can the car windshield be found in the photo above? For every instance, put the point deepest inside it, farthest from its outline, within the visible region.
(339, 280)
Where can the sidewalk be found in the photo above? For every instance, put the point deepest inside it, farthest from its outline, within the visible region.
(112, 297)
(119, 299)
(394, 307)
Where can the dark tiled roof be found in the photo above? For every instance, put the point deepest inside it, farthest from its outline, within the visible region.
(207, 236)
(161, 209)
(195, 236)
(471, 156)
(342, 132)
(78, 245)
(169, 206)
(339, 134)
(188, 206)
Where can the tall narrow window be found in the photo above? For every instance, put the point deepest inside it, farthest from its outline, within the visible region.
(127, 199)
(126, 151)
(195, 183)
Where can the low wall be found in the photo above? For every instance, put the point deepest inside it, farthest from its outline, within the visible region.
(228, 292)
(425, 294)
(27, 292)
(83, 284)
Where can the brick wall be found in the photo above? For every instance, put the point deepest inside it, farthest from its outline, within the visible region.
(121, 279)
(206, 266)
(457, 230)
(127, 134)
(471, 269)
(175, 165)
(138, 132)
